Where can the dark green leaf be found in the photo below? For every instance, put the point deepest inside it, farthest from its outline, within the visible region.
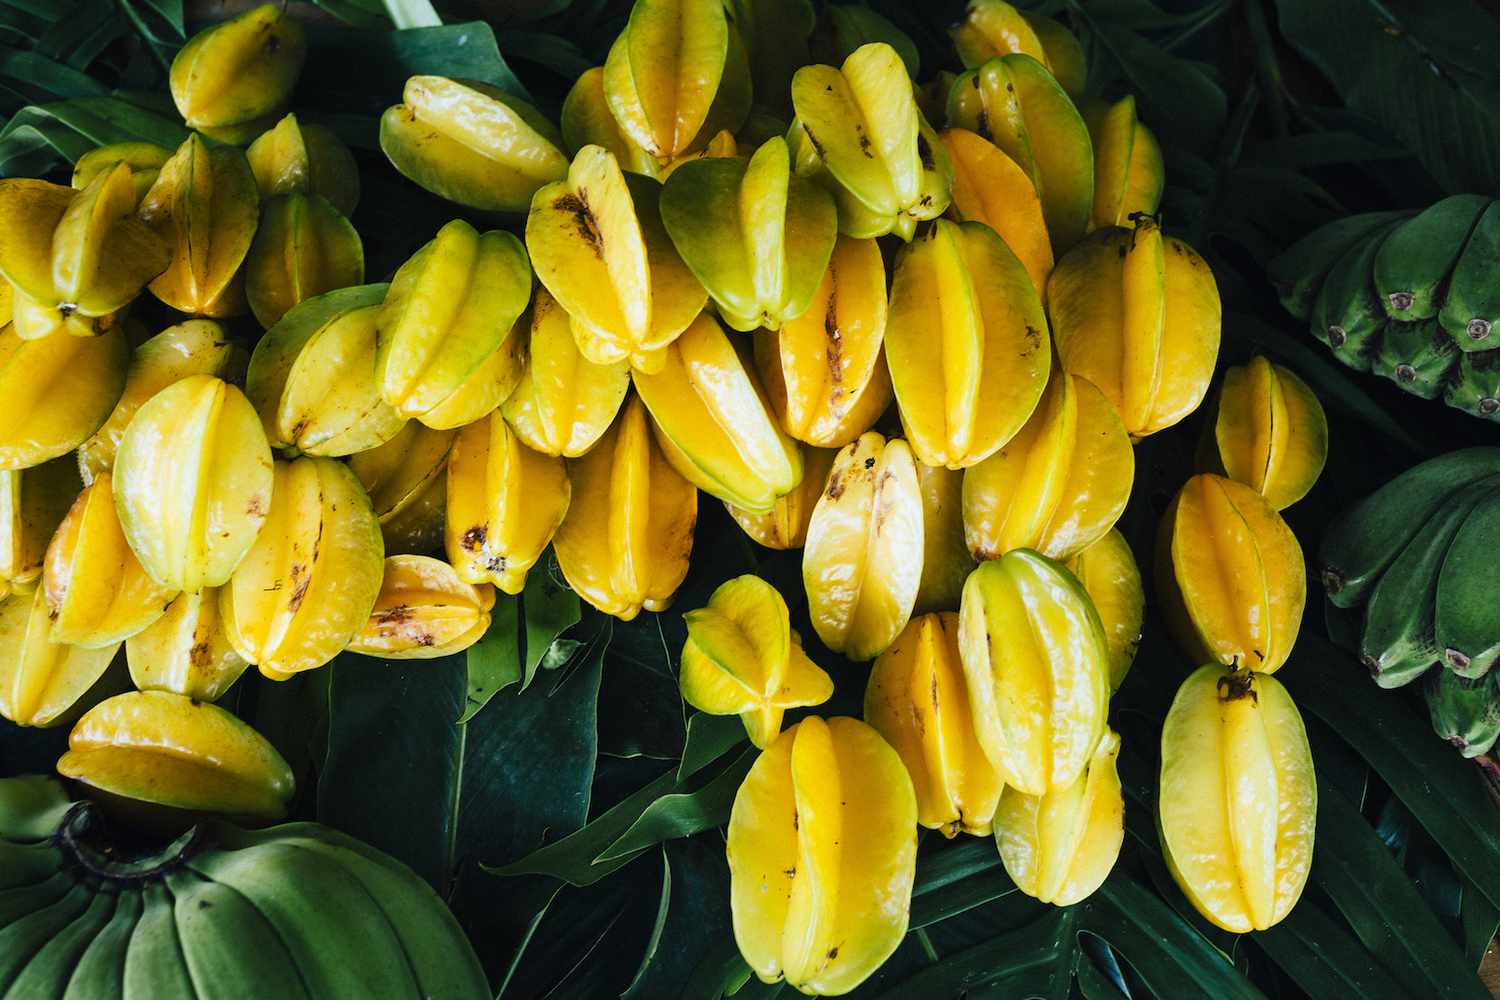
(697, 918)
(684, 813)
(709, 737)
(356, 13)
(1481, 921)
(494, 662)
(1324, 959)
(1023, 962)
(548, 609)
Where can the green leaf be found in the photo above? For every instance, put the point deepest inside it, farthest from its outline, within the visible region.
(960, 897)
(412, 14)
(1024, 962)
(1481, 921)
(683, 814)
(551, 52)
(523, 630)
(709, 737)
(1324, 959)
(548, 609)
(357, 13)
(697, 918)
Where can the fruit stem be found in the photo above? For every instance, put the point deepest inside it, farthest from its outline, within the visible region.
(83, 839)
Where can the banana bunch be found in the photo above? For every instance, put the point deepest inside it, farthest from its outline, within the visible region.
(1405, 566)
(1408, 297)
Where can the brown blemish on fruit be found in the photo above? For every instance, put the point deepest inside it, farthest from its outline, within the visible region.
(301, 580)
(256, 507)
(816, 145)
(1236, 685)
(583, 219)
(474, 538)
(924, 152)
(198, 656)
(835, 486)
(835, 350)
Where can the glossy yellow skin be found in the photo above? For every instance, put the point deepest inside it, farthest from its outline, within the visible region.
(145, 160)
(858, 130)
(990, 187)
(993, 28)
(824, 372)
(186, 650)
(303, 157)
(714, 424)
(1108, 571)
(597, 242)
(32, 504)
(784, 526)
(742, 658)
(946, 562)
(1230, 575)
(193, 482)
(59, 391)
(1059, 485)
(1037, 663)
(1128, 170)
(918, 699)
(587, 121)
(450, 308)
(1138, 315)
(168, 750)
(424, 610)
(625, 543)
(238, 71)
(302, 249)
(1238, 802)
(406, 479)
(307, 586)
(563, 401)
(98, 591)
(967, 344)
(862, 561)
(42, 682)
(1065, 57)
(1060, 847)
(822, 855)
(505, 502)
(1270, 431)
(33, 320)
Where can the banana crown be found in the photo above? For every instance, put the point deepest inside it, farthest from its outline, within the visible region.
(1128, 171)
(302, 249)
(424, 610)
(186, 650)
(822, 855)
(784, 526)
(992, 188)
(296, 157)
(1108, 571)
(1270, 431)
(239, 71)
(145, 160)
(42, 680)
(59, 390)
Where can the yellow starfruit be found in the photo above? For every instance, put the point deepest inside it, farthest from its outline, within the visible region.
(1270, 431)
(993, 28)
(230, 80)
(784, 526)
(946, 562)
(1063, 53)
(298, 156)
(44, 682)
(1108, 572)
(1128, 171)
(58, 391)
(186, 650)
(424, 610)
(990, 187)
(302, 248)
(32, 504)
(587, 121)
(145, 160)
(406, 479)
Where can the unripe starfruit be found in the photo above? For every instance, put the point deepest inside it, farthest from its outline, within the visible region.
(505, 502)
(858, 130)
(302, 157)
(306, 588)
(862, 562)
(784, 526)
(990, 187)
(587, 121)
(1059, 485)
(823, 371)
(32, 504)
(822, 855)
(1128, 171)
(946, 562)
(918, 699)
(1238, 801)
(186, 650)
(597, 242)
(966, 343)
(625, 543)
(563, 401)
(231, 79)
(406, 479)
(451, 308)
(1060, 847)
(1270, 431)
(742, 658)
(1037, 662)
(145, 160)
(1230, 575)
(1108, 572)
(193, 482)
(57, 391)
(713, 421)
(43, 681)
(303, 248)
(424, 610)
(168, 750)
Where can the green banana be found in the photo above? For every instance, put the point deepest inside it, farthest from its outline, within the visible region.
(49, 970)
(1299, 271)
(1415, 261)
(23, 940)
(17, 902)
(217, 926)
(1420, 357)
(1465, 711)
(1467, 614)
(154, 966)
(24, 865)
(1471, 307)
(1360, 545)
(1346, 315)
(1476, 389)
(101, 969)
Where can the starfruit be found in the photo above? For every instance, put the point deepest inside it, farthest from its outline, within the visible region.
(597, 242)
(302, 248)
(313, 376)
(32, 504)
(471, 143)
(823, 371)
(505, 502)
(231, 79)
(677, 72)
(98, 591)
(43, 682)
(448, 354)
(990, 187)
(862, 561)
(563, 401)
(424, 610)
(1064, 53)
(1230, 575)
(193, 347)
(858, 130)
(145, 160)
(75, 257)
(1037, 663)
(946, 562)
(1060, 847)
(1270, 431)
(406, 479)
(1137, 314)
(742, 658)
(713, 421)
(844, 27)
(625, 542)
(967, 343)
(193, 482)
(1238, 801)
(1059, 485)
(186, 650)
(168, 750)
(1108, 572)
(784, 526)
(1128, 171)
(306, 588)
(302, 157)
(917, 698)
(993, 28)
(756, 236)
(57, 391)
(587, 121)
(822, 855)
